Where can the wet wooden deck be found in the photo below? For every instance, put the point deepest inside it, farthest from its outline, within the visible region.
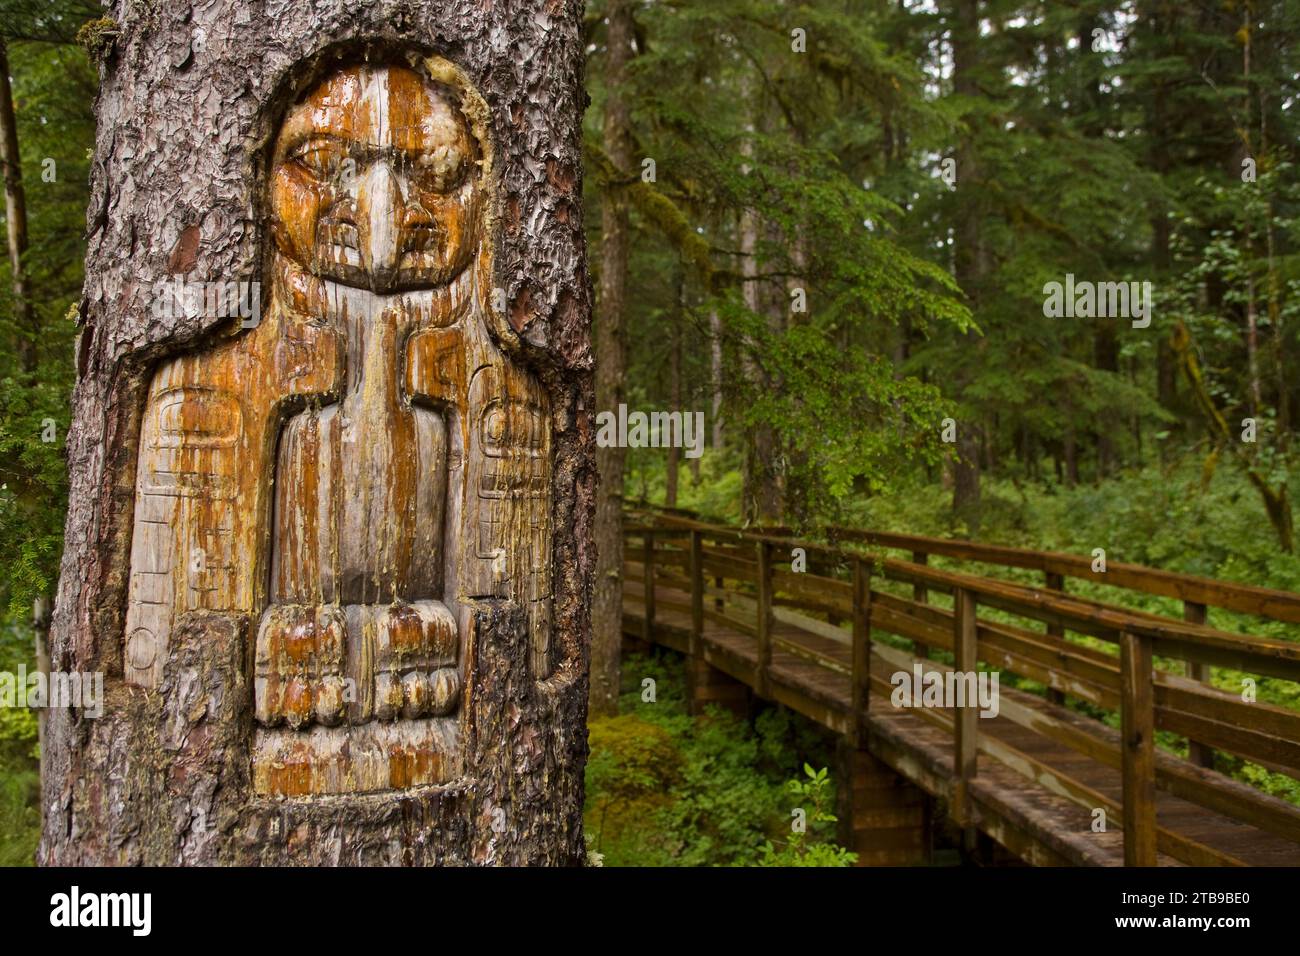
(1030, 792)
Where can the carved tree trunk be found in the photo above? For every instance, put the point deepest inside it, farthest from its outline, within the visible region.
(611, 367)
(330, 532)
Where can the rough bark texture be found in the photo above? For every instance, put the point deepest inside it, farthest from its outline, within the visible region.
(189, 105)
(611, 368)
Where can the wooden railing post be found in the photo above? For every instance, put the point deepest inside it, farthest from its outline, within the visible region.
(762, 676)
(825, 567)
(1055, 582)
(697, 594)
(920, 594)
(861, 666)
(1194, 613)
(648, 565)
(966, 740)
(1137, 721)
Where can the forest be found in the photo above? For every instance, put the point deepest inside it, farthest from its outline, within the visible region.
(1024, 273)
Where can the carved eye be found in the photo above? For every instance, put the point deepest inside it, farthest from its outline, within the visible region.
(323, 158)
(441, 169)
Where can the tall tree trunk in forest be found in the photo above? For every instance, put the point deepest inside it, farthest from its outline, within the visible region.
(748, 235)
(715, 370)
(1154, 25)
(1283, 386)
(334, 541)
(611, 366)
(674, 457)
(1088, 104)
(763, 497)
(1071, 457)
(969, 252)
(16, 219)
(1106, 358)
(1270, 54)
(1248, 240)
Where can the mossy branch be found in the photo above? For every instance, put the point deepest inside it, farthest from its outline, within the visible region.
(658, 209)
(1277, 502)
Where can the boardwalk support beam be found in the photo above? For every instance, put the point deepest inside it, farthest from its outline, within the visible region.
(763, 668)
(706, 684)
(697, 595)
(861, 660)
(883, 818)
(1194, 613)
(1055, 582)
(648, 564)
(1137, 719)
(966, 740)
(921, 595)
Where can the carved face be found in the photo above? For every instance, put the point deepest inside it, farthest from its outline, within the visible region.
(375, 181)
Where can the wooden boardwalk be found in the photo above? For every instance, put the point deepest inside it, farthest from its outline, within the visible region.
(1037, 777)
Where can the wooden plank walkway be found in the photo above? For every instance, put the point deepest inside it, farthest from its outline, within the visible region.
(1031, 793)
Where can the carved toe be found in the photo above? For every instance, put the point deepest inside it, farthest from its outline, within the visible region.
(296, 704)
(444, 691)
(330, 702)
(388, 697)
(415, 695)
(299, 666)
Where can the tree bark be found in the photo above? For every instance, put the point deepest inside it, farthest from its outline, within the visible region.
(672, 466)
(611, 368)
(969, 254)
(1106, 358)
(763, 493)
(189, 107)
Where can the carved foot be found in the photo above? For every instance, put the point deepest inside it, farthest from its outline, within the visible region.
(299, 666)
(415, 654)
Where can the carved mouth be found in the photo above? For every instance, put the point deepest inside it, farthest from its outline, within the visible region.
(338, 256)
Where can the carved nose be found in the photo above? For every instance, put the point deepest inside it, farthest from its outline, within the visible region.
(379, 215)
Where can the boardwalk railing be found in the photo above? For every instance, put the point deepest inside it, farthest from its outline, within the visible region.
(743, 583)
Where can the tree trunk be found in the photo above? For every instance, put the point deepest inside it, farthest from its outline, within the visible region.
(761, 493)
(16, 220)
(752, 465)
(1157, 22)
(674, 457)
(1106, 358)
(715, 372)
(969, 253)
(1071, 457)
(611, 369)
(381, 657)
(764, 495)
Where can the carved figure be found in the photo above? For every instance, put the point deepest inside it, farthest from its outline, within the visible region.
(367, 467)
